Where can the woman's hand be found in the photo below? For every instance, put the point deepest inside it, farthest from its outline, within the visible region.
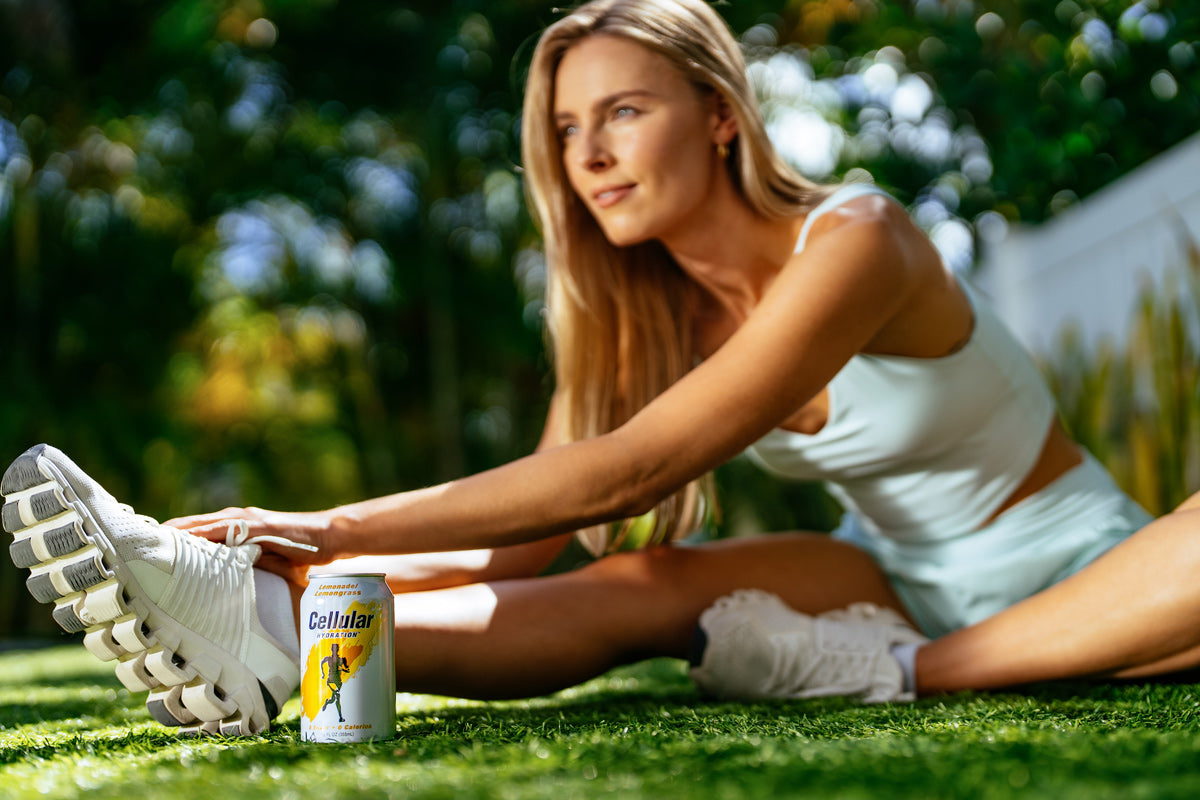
(308, 531)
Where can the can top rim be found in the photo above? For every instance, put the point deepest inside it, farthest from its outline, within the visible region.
(339, 575)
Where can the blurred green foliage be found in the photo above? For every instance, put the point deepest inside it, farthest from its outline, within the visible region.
(1068, 94)
(275, 252)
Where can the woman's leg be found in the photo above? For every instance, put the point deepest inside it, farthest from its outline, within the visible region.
(1133, 612)
(531, 636)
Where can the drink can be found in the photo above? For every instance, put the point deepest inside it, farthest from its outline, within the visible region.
(348, 676)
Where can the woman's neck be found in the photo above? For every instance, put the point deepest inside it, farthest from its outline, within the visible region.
(732, 253)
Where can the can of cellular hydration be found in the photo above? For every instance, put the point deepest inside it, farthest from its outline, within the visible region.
(348, 677)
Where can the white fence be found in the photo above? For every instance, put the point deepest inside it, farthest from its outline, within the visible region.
(1088, 266)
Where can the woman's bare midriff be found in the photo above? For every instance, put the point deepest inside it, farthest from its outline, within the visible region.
(1059, 454)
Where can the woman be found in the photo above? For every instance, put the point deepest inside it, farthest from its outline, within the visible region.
(703, 299)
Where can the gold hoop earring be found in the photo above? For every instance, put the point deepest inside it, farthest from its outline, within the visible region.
(722, 151)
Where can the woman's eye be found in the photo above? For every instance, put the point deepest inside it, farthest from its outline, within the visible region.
(624, 111)
(567, 131)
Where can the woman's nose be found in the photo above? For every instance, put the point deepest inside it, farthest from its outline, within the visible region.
(593, 153)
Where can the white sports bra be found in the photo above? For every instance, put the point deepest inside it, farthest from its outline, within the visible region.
(923, 449)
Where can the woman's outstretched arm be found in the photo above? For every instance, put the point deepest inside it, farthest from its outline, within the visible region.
(825, 305)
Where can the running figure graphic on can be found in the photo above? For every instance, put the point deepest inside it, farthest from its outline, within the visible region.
(333, 667)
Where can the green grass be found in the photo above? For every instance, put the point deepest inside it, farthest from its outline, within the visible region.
(68, 728)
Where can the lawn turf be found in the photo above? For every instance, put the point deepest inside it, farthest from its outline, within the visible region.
(68, 728)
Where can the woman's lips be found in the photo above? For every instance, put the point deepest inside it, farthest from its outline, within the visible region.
(611, 195)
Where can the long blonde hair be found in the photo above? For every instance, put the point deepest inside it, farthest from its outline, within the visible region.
(617, 316)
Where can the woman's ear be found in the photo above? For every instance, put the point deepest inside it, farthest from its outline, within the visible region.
(725, 127)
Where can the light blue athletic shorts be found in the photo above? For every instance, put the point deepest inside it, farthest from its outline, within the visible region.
(952, 583)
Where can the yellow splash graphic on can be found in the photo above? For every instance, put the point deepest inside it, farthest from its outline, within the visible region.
(347, 638)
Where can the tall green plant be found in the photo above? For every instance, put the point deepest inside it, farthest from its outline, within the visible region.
(1137, 407)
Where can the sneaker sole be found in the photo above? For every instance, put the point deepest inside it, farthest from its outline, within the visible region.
(195, 685)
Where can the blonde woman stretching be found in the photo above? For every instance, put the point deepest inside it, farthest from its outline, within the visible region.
(703, 299)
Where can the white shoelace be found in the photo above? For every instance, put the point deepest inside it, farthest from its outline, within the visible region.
(239, 534)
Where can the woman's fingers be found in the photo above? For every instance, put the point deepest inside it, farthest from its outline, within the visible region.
(214, 531)
(211, 521)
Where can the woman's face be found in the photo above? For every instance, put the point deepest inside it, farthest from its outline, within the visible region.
(638, 139)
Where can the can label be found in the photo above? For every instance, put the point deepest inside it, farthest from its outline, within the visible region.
(348, 685)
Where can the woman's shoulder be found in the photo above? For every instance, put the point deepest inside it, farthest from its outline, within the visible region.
(859, 236)
(865, 240)
(862, 203)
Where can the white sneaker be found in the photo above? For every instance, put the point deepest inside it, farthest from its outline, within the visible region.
(758, 648)
(175, 611)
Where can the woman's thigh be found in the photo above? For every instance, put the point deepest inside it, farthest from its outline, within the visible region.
(669, 587)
